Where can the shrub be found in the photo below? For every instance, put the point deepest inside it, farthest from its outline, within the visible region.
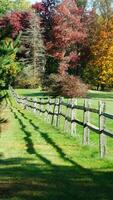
(26, 79)
(67, 86)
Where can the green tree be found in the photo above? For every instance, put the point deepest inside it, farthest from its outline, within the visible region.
(10, 5)
(9, 66)
(5, 5)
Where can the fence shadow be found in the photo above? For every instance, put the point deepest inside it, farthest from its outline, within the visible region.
(20, 178)
(38, 94)
(28, 140)
(44, 135)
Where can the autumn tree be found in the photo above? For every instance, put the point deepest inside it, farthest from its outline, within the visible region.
(66, 39)
(68, 35)
(12, 23)
(21, 5)
(99, 70)
(103, 8)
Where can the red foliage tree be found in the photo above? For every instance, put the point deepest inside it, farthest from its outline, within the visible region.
(11, 24)
(68, 35)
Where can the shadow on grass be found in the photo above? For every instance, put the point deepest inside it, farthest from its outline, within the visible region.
(35, 94)
(21, 180)
(100, 95)
(49, 140)
(44, 135)
(29, 142)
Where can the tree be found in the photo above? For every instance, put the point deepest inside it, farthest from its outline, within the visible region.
(21, 5)
(34, 47)
(66, 39)
(68, 34)
(12, 23)
(103, 8)
(9, 66)
(100, 67)
(81, 3)
(16, 5)
(5, 5)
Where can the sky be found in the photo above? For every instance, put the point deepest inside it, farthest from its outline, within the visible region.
(33, 1)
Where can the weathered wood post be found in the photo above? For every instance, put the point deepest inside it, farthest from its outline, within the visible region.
(102, 138)
(48, 111)
(35, 104)
(46, 108)
(55, 111)
(86, 120)
(28, 103)
(67, 116)
(25, 102)
(60, 100)
(41, 107)
(73, 113)
(40, 101)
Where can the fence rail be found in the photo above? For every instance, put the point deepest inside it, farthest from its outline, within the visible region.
(52, 111)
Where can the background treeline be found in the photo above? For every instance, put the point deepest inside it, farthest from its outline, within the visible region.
(63, 46)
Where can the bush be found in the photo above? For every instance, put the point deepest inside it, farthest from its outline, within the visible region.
(67, 86)
(26, 79)
(27, 83)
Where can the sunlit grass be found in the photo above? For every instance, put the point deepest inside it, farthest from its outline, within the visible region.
(38, 161)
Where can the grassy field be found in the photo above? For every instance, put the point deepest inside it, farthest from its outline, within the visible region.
(94, 97)
(38, 162)
(91, 93)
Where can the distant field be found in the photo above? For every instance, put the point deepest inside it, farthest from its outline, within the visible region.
(95, 96)
(91, 94)
(99, 94)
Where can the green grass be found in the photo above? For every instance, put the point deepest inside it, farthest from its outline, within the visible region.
(39, 162)
(94, 97)
(100, 94)
(91, 93)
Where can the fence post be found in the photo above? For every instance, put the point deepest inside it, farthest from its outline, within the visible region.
(41, 107)
(28, 103)
(102, 139)
(35, 104)
(25, 102)
(73, 125)
(66, 123)
(55, 112)
(59, 111)
(86, 120)
(40, 100)
(48, 110)
(46, 113)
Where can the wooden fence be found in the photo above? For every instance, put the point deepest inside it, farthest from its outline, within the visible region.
(51, 111)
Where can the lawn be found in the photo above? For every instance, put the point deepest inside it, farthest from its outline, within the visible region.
(38, 161)
(91, 93)
(94, 97)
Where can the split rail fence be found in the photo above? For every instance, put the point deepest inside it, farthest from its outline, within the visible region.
(51, 111)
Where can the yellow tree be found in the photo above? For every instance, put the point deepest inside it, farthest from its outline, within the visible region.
(21, 5)
(100, 66)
